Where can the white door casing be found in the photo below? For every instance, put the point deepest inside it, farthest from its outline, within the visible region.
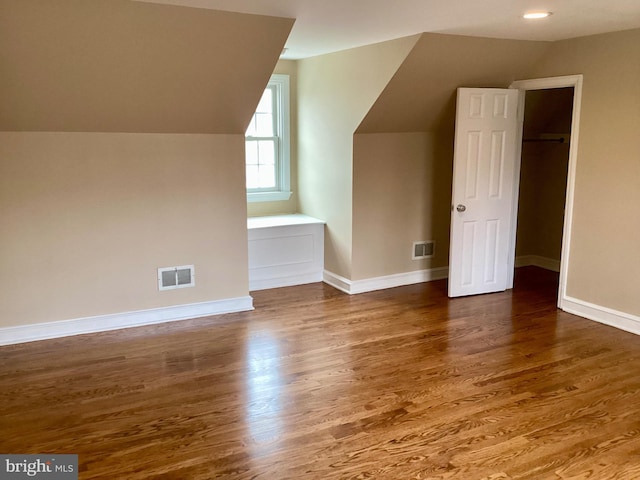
(575, 82)
(483, 190)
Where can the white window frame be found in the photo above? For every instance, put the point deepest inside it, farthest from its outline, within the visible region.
(280, 84)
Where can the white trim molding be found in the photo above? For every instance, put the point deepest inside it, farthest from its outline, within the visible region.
(353, 287)
(286, 281)
(608, 316)
(255, 197)
(538, 261)
(574, 81)
(104, 323)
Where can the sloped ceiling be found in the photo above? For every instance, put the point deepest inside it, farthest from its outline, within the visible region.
(421, 95)
(325, 26)
(122, 66)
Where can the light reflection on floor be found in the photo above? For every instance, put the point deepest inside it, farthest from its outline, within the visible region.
(264, 387)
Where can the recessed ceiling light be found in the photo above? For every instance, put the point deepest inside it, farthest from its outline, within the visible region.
(536, 15)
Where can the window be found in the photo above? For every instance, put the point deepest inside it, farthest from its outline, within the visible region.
(267, 145)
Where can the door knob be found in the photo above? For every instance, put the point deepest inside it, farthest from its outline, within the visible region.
(461, 208)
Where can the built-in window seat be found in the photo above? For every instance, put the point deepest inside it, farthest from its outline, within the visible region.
(285, 250)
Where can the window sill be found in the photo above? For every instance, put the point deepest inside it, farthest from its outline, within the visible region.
(268, 197)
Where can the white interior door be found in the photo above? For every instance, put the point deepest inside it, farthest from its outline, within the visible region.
(483, 190)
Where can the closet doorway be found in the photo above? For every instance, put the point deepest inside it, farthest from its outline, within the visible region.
(547, 174)
(543, 177)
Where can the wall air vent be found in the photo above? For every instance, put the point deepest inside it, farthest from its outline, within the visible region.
(423, 249)
(176, 277)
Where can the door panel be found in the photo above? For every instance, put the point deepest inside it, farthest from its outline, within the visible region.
(483, 190)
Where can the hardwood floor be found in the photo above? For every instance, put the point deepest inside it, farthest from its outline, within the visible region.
(315, 384)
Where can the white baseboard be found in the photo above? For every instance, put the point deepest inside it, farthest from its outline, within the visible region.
(389, 281)
(288, 281)
(337, 281)
(538, 261)
(103, 323)
(623, 321)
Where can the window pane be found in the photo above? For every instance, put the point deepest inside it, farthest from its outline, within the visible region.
(266, 102)
(253, 179)
(251, 152)
(264, 146)
(267, 176)
(266, 152)
(264, 125)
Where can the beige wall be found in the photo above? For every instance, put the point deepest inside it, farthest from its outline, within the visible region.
(402, 180)
(256, 209)
(88, 213)
(406, 181)
(87, 218)
(604, 263)
(335, 93)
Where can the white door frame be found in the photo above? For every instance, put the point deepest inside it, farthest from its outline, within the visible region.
(574, 81)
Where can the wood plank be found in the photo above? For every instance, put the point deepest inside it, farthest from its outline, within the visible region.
(402, 383)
